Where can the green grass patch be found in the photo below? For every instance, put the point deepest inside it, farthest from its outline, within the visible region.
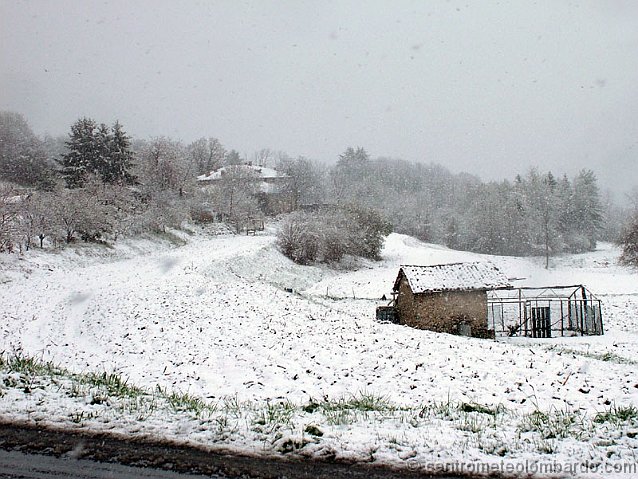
(108, 393)
(113, 383)
(362, 402)
(617, 415)
(555, 423)
(30, 365)
(347, 410)
(187, 402)
(279, 413)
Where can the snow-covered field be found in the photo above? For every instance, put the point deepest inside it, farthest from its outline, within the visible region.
(213, 318)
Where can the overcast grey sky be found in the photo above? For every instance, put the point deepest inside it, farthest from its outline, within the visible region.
(488, 87)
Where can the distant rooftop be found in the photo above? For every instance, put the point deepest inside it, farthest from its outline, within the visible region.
(257, 171)
(453, 277)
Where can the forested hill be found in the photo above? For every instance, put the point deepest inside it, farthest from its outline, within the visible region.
(529, 215)
(98, 183)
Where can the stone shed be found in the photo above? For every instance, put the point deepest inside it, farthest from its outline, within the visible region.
(447, 298)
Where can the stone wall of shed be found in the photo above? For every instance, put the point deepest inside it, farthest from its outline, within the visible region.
(443, 312)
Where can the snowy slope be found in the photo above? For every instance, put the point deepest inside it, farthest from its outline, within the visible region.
(213, 318)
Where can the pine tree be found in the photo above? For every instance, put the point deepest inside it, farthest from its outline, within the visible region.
(83, 153)
(353, 161)
(350, 178)
(120, 159)
(23, 159)
(102, 138)
(515, 230)
(96, 150)
(565, 194)
(232, 158)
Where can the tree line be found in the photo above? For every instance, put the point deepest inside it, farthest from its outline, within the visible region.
(98, 183)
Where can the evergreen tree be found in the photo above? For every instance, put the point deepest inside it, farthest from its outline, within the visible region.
(96, 150)
(350, 178)
(102, 138)
(486, 217)
(83, 153)
(22, 156)
(514, 219)
(452, 234)
(565, 194)
(353, 160)
(232, 158)
(120, 159)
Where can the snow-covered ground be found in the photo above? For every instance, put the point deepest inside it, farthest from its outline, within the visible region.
(213, 318)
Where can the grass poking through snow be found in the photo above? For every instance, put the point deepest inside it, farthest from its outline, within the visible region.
(284, 427)
(618, 415)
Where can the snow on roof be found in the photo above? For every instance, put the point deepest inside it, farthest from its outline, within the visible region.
(453, 277)
(258, 171)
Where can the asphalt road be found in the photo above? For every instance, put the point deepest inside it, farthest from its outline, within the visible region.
(17, 465)
(32, 451)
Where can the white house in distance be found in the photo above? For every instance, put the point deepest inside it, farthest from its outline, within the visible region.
(272, 187)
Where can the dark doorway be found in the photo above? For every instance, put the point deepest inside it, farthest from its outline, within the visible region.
(541, 323)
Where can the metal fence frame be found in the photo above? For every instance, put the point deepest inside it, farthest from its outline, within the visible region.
(543, 312)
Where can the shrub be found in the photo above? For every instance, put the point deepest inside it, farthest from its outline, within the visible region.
(367, 229)
(334, 246)
(202, 215)
(330, 235)
(629, 243)
(297, 240)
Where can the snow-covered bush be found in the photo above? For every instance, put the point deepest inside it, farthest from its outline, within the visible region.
(297, 239)
(330, 235)
(629, 243)
(335, 245)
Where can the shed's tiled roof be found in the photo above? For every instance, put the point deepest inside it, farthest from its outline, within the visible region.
(453, 277)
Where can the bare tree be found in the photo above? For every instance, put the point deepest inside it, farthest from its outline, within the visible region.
(234, 193)
(81, 212)
(166, 166)
(9, 197)
(263, 157)
(35, 217)
(305, 181)
(329, 235)
(206, 154)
